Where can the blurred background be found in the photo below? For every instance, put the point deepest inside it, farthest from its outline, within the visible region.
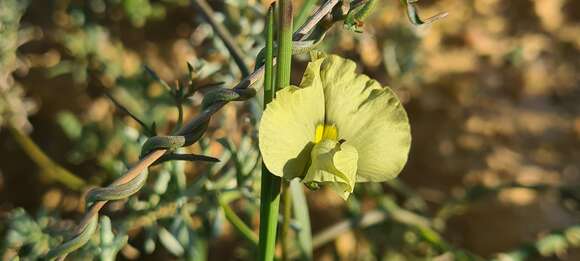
(492, 92)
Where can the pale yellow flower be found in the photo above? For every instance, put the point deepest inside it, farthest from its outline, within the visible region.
(338, 128)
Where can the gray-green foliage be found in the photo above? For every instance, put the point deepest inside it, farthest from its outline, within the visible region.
(165, 209)
(14, 107)
(26, 235)
(176, 211)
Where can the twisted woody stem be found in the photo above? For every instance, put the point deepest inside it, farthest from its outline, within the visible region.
(194, 123)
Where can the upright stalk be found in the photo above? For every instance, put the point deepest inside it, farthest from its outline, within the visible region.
(270, 197)
(283, 80)
(270, 187)
(287, 214)
(284, 44)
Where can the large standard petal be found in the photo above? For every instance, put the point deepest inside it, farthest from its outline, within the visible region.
(333, 164)
(287, 129)
(368, 116)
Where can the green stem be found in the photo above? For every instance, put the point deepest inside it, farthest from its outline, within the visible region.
(270, 198)
(238, 223)
(269, 92)
(283, 80)
(284, 236)
(52, 170)
(270, 187)
(284, 44)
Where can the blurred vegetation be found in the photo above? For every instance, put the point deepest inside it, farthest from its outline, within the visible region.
(492, 92)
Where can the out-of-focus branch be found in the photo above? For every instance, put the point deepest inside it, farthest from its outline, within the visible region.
(554, 243)
(329, 234)
(224, 34)
(238, 223)
(390, 211)
(49, 168)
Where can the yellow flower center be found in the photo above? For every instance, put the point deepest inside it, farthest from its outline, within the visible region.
(325, 132)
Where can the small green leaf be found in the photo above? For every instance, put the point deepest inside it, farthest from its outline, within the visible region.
(69, 123)
(170, 242)
(355, 17)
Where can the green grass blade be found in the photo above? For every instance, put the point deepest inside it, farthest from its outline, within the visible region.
(300, 207)
(305, 10)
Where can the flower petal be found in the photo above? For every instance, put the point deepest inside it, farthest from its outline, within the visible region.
(287, 129)
(333, 164)
(367, 116)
